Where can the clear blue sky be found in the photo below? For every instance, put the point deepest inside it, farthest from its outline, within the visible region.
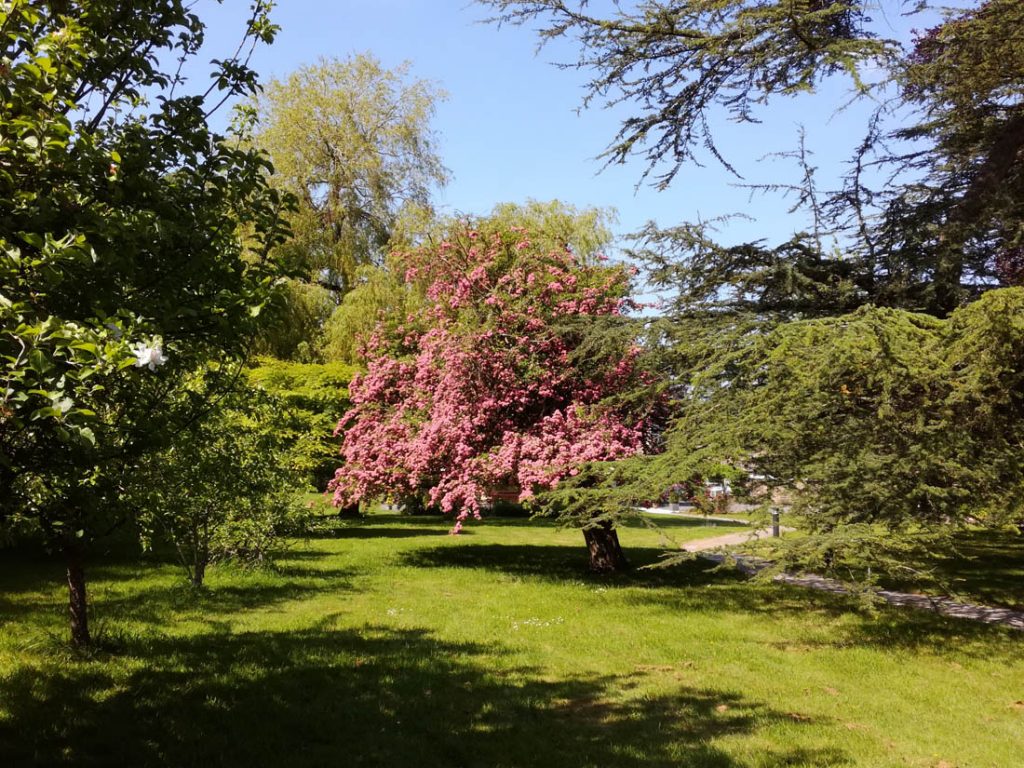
(510, 129)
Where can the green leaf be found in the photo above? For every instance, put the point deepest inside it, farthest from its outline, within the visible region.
(33, 239)
(39, 362)
(87, 346)
(45, 413)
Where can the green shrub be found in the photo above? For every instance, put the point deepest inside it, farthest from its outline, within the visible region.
(225, 488)
(312, 398)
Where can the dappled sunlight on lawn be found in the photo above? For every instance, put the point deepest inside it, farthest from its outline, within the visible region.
(384, 641)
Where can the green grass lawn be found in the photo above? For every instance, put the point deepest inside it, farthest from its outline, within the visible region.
(387, 642)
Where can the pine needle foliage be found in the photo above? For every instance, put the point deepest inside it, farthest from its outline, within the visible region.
(681, 60)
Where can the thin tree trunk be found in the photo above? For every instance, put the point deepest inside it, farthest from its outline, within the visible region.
(606, 555)
(199, 571)
(76, 591)
(200, 553)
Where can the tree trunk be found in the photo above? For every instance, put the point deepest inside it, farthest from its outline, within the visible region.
(349, 511)
(199, 571)
(76, 591)
(606, 554)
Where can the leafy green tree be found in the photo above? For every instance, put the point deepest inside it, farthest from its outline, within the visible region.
(351, 140)
(226, 488)
(311, 398)
(555, 225)
(379, 296)
(827, 362)
(884, 431)
(135, 248)
(880, 425)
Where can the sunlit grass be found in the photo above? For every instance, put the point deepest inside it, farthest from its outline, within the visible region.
(388, 642)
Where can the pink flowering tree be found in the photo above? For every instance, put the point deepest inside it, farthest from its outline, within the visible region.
(484, 387)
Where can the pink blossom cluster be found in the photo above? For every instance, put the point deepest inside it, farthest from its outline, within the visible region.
(480, 388)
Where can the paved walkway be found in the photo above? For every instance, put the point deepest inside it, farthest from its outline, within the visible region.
(945, 606)
(730, 539)
(689, 513)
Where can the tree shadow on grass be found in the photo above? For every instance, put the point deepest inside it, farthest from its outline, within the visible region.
(154, 603)
(379, 526)
(34, 593)
(570, 563)
(23, 570)
(410, 526)
(380, 532)
(985, 567)
(700, 585)
(916, 630)
(691, 585)
(885, 628)
(374, 697)
(291, 570)
(34, 570)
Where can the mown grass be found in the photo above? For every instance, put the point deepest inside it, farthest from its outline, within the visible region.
(387, 642)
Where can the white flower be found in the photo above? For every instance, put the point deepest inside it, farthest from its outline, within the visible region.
(149, 355)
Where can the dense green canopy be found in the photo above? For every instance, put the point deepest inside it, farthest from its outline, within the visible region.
(869, 365)
(351, 141)
(135, 249)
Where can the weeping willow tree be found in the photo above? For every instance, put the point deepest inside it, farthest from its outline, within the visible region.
(352, 141)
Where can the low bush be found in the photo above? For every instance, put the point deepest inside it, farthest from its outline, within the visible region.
(226, 488)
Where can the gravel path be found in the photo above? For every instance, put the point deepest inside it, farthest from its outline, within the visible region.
(945, 606)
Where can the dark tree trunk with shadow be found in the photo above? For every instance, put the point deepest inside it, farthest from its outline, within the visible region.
(349, 511)
(606, 555)
(199, 572)
(77, 605)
